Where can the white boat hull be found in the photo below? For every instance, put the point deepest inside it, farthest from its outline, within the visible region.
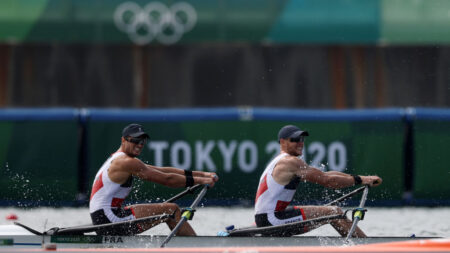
(148, 241)
(17, 239)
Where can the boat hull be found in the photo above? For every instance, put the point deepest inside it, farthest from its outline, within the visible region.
(148, 241)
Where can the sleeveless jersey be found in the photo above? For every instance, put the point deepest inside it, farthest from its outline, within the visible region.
(271, 196)
(105, 193)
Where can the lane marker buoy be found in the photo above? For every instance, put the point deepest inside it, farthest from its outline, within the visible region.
(11, 216)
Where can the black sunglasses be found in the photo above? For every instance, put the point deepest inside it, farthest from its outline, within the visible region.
(137, 140)
(301, 138)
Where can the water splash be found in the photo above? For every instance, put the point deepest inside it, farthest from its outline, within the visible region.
(24, 191)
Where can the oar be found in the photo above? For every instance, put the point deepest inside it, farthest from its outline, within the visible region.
(189, 190)
(346, 196)
(358, 214)
(186, 215)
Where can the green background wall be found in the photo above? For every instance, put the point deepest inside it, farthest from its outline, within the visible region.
(432, 160)
(50, 156)
(39, 156)
(367, 147)
(273, 21)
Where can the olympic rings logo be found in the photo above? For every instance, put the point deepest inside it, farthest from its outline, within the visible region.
(155, 21)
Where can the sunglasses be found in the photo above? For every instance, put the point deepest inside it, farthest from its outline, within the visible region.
(301, 138)
(137, 140)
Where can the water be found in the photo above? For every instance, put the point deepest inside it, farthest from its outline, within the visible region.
(403, 221)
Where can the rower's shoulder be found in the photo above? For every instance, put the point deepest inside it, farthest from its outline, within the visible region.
(291, 160)
(292, 163)
(125, 160)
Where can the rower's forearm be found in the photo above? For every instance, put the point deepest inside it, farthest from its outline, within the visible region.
(333, 172)
(338, 181)
(181, 180)
(181, 171)
(171, 170)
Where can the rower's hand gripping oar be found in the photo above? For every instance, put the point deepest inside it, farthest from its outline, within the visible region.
(358, 214)
(186, 215)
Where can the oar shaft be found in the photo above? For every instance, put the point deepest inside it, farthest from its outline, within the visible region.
(353, 228)
(358, 215)
(177, 227)
(346, 196)
(184, 217)
(364, 197)
(189, 190)
(199, 197)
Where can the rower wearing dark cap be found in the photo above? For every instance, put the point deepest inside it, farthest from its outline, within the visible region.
(285, 172)
(113, 183)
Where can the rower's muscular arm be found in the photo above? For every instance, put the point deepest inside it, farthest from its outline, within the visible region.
(327, 179)
(181, 172)
(133, 166)
(298, 167)
(365, 180)
(330, 179)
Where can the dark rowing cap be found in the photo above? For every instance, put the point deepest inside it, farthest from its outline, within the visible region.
(134, 130)
(291, 131)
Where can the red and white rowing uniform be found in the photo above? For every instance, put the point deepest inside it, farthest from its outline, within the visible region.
(107, 196)
(272, 199)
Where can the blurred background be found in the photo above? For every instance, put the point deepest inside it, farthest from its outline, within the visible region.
(213, 81)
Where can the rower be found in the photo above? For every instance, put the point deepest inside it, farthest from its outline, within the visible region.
(280, 179)
(113, 184)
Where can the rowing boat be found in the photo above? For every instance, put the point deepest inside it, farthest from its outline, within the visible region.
(281, 238)
(15, 238)
(214, 244)
(18, 236)
(154, 241)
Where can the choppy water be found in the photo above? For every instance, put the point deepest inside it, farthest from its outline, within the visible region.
(209, 220)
